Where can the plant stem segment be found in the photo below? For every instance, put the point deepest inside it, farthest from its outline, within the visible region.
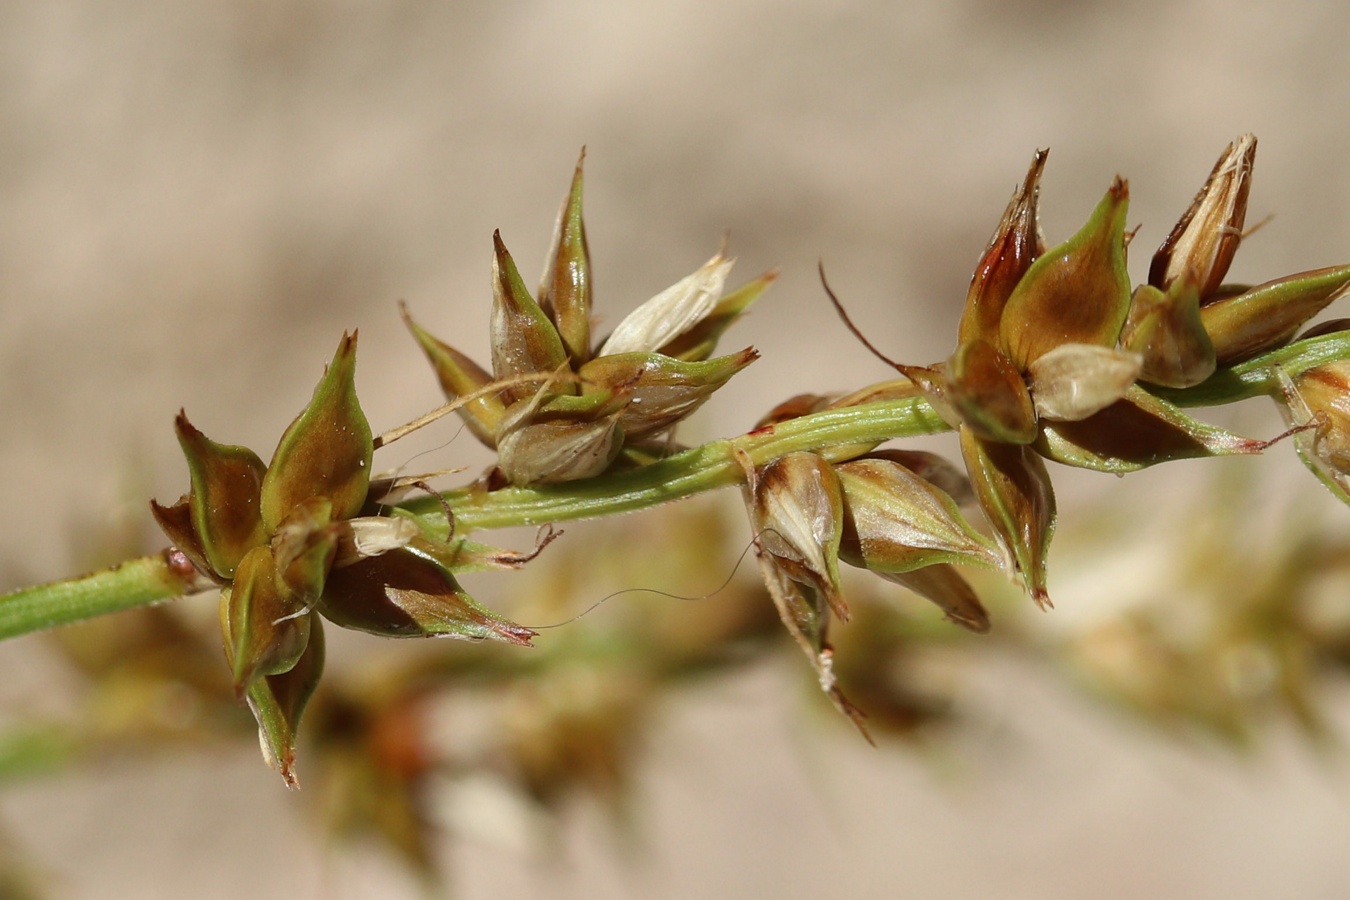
(136, 582)
(693, 471)
(835, 433)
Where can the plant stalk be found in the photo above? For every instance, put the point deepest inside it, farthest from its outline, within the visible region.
(835, 433)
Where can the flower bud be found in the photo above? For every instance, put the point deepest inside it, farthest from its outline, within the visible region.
(555, 439)
(895, 521)
(565, 290)
(1011, 251)
(1074, 381)
(369, 536)
(796, 509)
(550, 452)
(1076, 293)
(672, 312)
(1166, 329)
(1320, 397)
(942, 474)
(1268, 315)
(1202, 244)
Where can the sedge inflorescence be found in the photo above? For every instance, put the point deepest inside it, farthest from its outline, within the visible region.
(1058, 360)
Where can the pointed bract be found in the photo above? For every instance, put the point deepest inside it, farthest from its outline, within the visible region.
(524, 339)
(326, 451)
(661, 390)
(1166, 329)
(460, 376)
(1138, 431)
(304, 547)
(1014, 491)
(176, 523)
(1202, 244)
(565, 289)
(463, 556)
(1270, 314)
(267, 630)
(1011, 251)
(671, 313)
(988, 394)
(224, 503)
(944, 586)
(403, 594)
(1076, 293)
(1320, 396)
(797, 512)
(895, 521)
(700, 341)
(278, 702)
(806, 615)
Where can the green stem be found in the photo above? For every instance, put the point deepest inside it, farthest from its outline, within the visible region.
(836, 433)
(693, 471)
(712, 466)
(136, 582)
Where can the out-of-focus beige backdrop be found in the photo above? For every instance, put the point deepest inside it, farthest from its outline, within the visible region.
(197, 198)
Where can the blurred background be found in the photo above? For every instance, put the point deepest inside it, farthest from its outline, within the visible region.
(200, 197)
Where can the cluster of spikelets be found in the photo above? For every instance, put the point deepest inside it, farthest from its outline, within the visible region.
(554, 407)
(1057, 358)
(311, 532)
